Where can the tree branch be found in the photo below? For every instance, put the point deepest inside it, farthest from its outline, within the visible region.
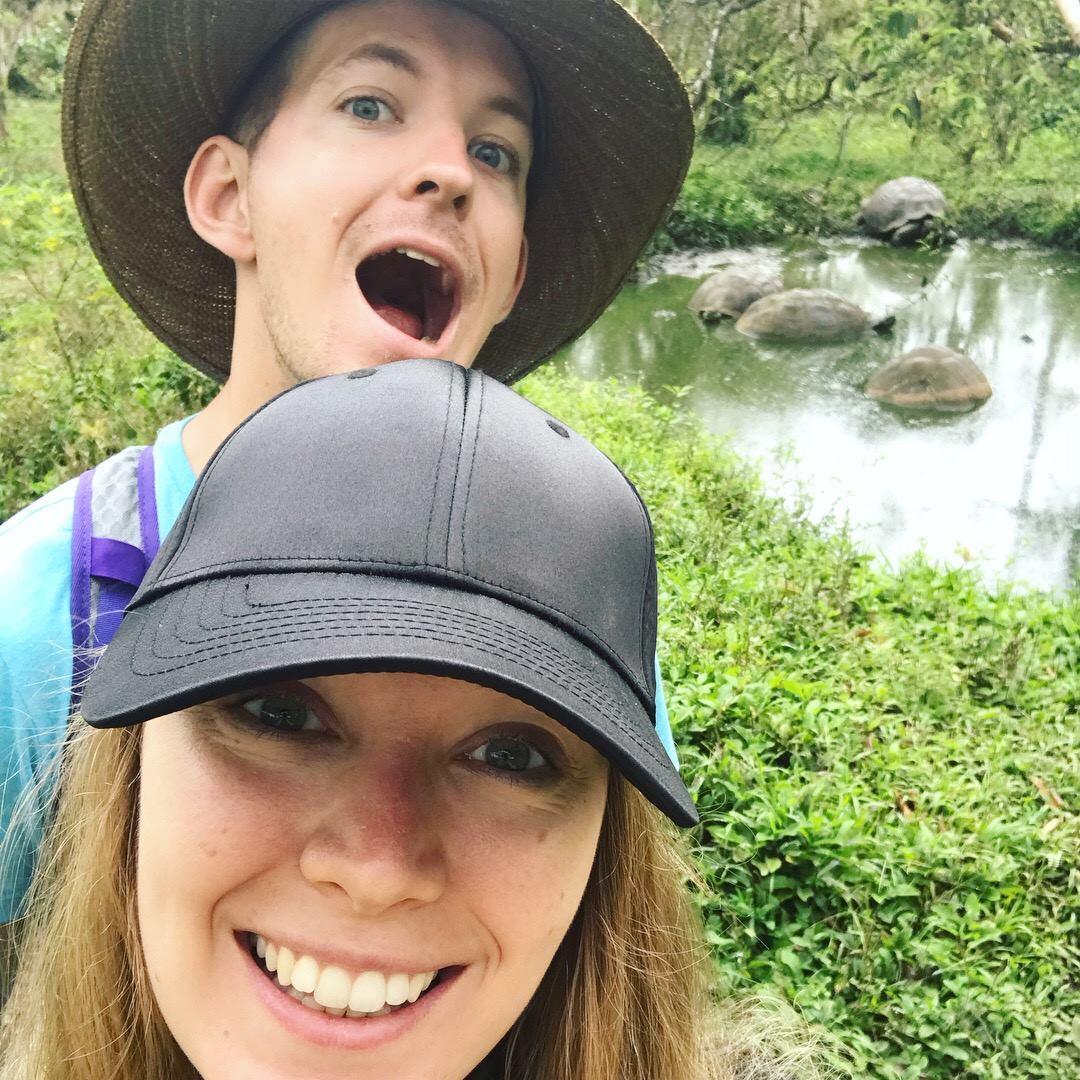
(1007, 34)
(731, 7)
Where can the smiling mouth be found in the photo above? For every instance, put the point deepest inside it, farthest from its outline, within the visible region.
(333, 991)
(411, 291)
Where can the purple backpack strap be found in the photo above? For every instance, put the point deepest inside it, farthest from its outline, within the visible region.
(114, 539)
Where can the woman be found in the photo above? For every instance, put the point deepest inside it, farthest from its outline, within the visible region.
(390, 815)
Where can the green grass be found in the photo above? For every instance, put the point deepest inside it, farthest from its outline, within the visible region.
(887, 764)
(81, 376)
(878, 759)
(799, 184)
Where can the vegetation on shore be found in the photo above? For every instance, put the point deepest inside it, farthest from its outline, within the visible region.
(810, 179)
(887, 765)
(804, 107)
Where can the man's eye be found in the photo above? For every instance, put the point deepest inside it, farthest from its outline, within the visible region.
(369, 109)
(509, 754)
(282, 714)
(493, 156)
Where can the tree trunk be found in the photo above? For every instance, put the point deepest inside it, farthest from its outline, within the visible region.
(698, 87)
(1070, 15)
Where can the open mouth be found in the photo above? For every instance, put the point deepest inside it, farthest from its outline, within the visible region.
(336, 992)
(411, 290)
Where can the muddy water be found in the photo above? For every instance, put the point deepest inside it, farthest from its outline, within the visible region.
(998, 488)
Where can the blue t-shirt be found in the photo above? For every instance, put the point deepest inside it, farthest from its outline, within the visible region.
(36, 651)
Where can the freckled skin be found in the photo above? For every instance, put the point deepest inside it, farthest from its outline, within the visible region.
(379, 833)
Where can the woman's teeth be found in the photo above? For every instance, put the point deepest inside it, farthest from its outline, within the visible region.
(332, 989)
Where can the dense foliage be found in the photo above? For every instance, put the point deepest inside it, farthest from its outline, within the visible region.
(79, 376)
(802, 184)
(887, 764)
(805, 106)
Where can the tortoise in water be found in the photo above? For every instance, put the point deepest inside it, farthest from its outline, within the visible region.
(903, 210)
(730, 292)
(804, 315)
(931, 377)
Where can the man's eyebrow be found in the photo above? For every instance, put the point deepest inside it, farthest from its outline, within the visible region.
(387, 54)
(512, 107)
(404, 61)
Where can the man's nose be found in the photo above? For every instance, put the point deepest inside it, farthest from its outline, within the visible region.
(445, 175)
(379, 844)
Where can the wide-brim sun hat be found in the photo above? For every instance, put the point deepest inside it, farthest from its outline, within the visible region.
(147, 81)
(413, 517)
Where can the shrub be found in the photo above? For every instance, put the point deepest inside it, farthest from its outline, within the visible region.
(887, 765)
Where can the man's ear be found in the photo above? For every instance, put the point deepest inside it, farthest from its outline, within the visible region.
(215, 194)
(519, 278)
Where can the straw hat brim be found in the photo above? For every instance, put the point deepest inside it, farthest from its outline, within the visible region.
(147, 82)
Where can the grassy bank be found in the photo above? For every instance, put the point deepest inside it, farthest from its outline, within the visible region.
(804, 182)
(887, 764)
(79, 375)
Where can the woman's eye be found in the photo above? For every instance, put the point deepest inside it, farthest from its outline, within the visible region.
(369, 109)
(493, 156)
(282, 714)
(508, 754)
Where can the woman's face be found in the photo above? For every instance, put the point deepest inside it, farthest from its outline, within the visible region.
(372, 830)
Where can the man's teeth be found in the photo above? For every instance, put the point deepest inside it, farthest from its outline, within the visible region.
(414, 254)
(446, 278)
(332, 989)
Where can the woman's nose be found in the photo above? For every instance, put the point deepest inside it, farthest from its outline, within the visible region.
(379, 845)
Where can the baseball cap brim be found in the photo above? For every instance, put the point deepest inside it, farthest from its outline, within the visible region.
(220, 635)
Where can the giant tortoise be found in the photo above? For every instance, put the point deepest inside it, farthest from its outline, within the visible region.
(816, 315)
(902, 210)
(730, 292)
(930, 377)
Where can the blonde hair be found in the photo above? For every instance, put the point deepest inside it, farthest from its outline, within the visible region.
(626, 997)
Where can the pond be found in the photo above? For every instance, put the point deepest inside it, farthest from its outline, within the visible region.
(997, 488)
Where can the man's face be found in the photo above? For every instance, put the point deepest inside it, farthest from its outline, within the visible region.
(386, 199)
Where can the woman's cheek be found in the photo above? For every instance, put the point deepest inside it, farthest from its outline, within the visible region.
(203, 830)
(526, 876)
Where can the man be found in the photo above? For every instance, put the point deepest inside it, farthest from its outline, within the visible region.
(284, 189)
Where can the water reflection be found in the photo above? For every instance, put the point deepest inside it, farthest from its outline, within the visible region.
(999, 485)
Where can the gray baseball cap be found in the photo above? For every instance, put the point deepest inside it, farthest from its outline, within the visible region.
(413, 517)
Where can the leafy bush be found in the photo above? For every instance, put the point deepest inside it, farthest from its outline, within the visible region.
(38, 69)
(887, 766)
(81, 377)
(808, 180)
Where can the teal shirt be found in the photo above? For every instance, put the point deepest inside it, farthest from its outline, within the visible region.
(36, 652)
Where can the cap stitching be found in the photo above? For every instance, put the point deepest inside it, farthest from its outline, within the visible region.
(438, 470)
(468, 486)
(599, 700)
(547, 661)
(260, 565)
(647, 525)
(457, 466)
